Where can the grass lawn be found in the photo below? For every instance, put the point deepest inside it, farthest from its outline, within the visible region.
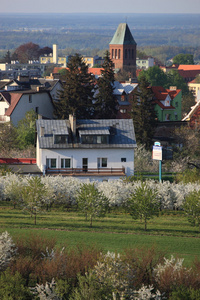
(171, 233)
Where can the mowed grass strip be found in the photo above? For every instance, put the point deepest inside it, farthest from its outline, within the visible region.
(116, 232)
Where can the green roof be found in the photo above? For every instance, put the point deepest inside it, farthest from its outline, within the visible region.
(123, 36)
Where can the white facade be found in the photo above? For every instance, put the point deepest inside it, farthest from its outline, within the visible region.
(95, 149)
(41, 103)
(114, 158)
(144, 63)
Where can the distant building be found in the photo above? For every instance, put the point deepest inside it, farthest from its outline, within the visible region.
(189, 72)
(123, 49)
(167, 103)
(193, 117)
(195, 88)
(144, 64)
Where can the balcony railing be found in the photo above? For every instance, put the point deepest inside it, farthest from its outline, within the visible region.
(86, 171)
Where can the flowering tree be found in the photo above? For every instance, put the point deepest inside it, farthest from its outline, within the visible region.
(192, 208)
(144, 203)
(33, 195)
(7, 250)
(91, 202)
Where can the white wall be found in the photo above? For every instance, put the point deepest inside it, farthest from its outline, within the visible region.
(113, 157)
(41, 100)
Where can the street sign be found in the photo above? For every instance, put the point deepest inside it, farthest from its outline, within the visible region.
(157, 153)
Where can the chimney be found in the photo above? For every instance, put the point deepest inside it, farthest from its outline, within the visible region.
(41, 131)
(173, 88)
(72, 121)
(55, 53)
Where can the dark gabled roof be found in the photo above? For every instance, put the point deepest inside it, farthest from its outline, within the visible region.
(123, 36)
(121, 135)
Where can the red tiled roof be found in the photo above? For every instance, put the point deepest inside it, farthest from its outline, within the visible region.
(14, 99)
(189, 67)
(161, 93)
(95, 71)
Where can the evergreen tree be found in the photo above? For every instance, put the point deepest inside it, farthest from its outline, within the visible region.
(7, 58)
(144, 116)
(106, 104)
(77, 93)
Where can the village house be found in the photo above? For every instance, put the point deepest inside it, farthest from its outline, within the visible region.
(93, 149)
(14, 105)
(167, 103)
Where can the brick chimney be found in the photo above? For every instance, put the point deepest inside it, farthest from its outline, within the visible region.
(72, 121)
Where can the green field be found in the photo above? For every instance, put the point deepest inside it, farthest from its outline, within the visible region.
(117, 231)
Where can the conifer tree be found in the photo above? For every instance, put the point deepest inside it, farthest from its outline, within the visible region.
(144, 116)
(106, 104)
(77, 93)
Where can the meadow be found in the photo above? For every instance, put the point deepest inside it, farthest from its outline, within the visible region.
(170, 231)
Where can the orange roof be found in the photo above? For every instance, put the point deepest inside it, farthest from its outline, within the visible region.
(95, 71)
(189, 67)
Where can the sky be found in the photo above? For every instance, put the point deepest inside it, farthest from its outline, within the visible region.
(102, 6)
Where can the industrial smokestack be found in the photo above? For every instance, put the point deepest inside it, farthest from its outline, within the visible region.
(55, 53)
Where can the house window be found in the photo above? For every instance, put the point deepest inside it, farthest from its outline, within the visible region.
(167, 117)
(176, 104)
(94, 139)
(123, 159)
(65, 162)
(125, 53)
(60, 139)
(51, 162)
(30, 98)
(102, 162)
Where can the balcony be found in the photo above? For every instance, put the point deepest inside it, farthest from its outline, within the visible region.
(86, 171)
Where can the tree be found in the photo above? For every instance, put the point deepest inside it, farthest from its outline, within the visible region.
(192, 208)
(26, 130)
(7, 58)
(91, 202)
(106, 102)
(12, 287)
(33, 195)
(175, 79)
(143, 203)
(183, 59)
(144, 116)
(28, 51)
(8, 138)
(188, 101)
(155, 76)
(77, 93)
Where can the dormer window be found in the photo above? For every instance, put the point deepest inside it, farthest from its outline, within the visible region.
(60, 139)
(94, 139)
(94, 136)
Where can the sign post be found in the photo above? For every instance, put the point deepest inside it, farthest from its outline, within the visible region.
(157, 155)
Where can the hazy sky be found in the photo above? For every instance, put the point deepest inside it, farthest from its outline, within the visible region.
(101, 6)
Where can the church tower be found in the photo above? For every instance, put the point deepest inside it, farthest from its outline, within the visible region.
(123, 49)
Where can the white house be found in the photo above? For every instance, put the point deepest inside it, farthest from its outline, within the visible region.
(14, 105)
(94, 149)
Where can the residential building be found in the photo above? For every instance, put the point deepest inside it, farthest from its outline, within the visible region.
(195, 88)
(14, 105)
(193, 117)
(125, 94)
(123, 49)
(167, 103)
(15, 69)
(144, 64)
(189, 72)
(93, 149)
